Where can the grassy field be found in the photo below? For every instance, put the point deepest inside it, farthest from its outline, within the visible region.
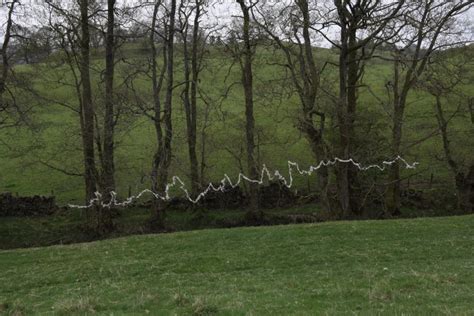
(416, 267)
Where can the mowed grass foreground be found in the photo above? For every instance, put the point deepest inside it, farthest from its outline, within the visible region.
(420, 266)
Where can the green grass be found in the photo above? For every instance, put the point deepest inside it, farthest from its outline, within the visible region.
(415, 267)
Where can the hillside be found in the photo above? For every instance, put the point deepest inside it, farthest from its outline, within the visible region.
(421, 266)
(53, 140)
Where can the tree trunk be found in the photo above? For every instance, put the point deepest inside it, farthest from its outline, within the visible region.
(5, 65)
(203, 137)
(309, 94)
(247, 82)
(464, 182)
(195, 176)
(104, 222)
(392, 198)
(465, 190)
(90, 172)
(191, 74)
(353, 53)
(157, 83)
(314, 137)
(469, 201)
(108, 179)
(342, 169)
(4, 52)
(163, 156)
(156, 87)
(352, 89)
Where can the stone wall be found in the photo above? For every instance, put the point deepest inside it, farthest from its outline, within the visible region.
(11, 205)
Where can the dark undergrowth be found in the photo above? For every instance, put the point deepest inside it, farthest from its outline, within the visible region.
(66, 226)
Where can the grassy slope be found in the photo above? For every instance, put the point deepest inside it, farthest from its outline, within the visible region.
(422, 266)
(58, 140)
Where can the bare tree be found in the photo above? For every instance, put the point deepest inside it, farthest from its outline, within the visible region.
(108, 166)
(295, 22)
(159, 68)
(157, 83)
(162, 158)
(443, 80)
(245, 59)
(74, 38)
(4, 53)
(360, 24)
(11, 111)
(192, 68)
(87, 108)
(425, 23)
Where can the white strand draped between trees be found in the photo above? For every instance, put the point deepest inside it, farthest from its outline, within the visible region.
(226, 182)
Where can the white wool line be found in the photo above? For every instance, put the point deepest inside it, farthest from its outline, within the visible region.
(227, 182)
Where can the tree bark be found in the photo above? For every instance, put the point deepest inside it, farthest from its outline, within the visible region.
(108, 172)
(352, 99)
(4, 55)
(157, 84)
(4, 52)
(392, 198)
(469, 201)
(247, 82)
(105, 145)
(157, 81)
(309, 93)
(195, 176)
(90, 171)
(464, 181)
(162, 159)
(314, 137)
(191, 74)
(342, 170)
